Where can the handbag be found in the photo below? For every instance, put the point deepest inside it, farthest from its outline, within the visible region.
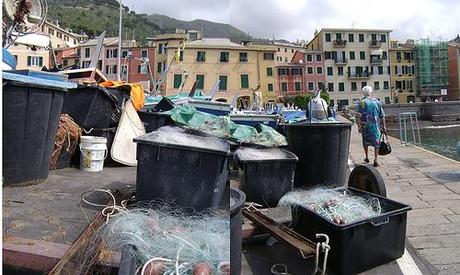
(385, 147)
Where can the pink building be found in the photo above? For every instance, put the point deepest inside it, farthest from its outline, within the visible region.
(315, 76)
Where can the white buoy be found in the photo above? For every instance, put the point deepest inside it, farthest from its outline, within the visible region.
(93, 153)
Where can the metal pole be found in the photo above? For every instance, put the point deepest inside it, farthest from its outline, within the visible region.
(119, 42)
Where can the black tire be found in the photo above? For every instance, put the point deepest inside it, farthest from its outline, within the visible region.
(367, 178)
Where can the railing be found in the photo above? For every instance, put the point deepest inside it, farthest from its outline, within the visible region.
(375, 44)
(359, 76)
(340, 61)
(339, 43)
(376, 60)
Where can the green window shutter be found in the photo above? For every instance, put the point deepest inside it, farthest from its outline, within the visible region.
(244, 81)
(270, 87)
(29, 61)
(199, 81)
(269, 71)
(223, 83)
(297, 86)
(177, 80)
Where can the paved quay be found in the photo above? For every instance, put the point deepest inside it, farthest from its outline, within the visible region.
(430, 183)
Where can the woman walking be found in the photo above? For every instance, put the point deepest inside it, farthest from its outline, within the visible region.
(370, 120)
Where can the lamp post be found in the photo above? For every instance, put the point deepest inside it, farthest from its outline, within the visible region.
(119, 42)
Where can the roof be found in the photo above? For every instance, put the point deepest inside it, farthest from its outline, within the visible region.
(212, 42)
(168, 36)
(109, 41)
(69, 32)
(354, 30)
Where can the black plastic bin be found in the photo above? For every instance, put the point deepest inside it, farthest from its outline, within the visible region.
(265, 174)
(90, 106)
(322, 149)
(31, 110)
(237, 200)
(360, 245)
(188, 170)
(154, 120)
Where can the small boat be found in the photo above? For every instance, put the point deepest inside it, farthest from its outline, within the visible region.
(211, 107)
(252, 118)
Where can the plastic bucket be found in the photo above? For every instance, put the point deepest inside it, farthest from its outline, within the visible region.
(93, 153)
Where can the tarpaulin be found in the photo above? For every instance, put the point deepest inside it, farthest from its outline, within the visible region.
(136, 91)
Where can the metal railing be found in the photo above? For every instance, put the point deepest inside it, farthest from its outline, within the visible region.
(404, 118)
(375, 44)
(339, 43)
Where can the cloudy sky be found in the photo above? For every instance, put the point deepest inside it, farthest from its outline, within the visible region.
(298, 19)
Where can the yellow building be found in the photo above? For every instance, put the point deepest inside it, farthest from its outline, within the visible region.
(62, 38)
(240, 68)
(403, 78)
(29, 58)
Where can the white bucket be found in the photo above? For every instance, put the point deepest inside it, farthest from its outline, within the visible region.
(93, 153)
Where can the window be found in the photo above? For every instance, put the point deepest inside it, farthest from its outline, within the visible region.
(376, 85)
(319, 70)
(363, 84)
(111, 69)
(330, 87)
(199, 80)
(284, 86)
(224, 56)
(320, 85)
(398, 56)
(338, 36)
(159, 67)
(330, 71)
(142, 69)
(269, 71)
(65, 62)
(181, 55)
(385, 85)
(124, 69)
(85, 64)
(292, 50)
(362, 55)
(311, 86)
(296, 71)
(380, 68)
(285, 50)
(243, 57)
(309, 57)
(384, 55)
(361, 37)
(244, 81)
(59, 34)
(279, 49)
(223, 83)
(383, 38)
(341, 86)
(177, 81)
(269, 56)
(200, 56)
(341, 104)
(387, 100)
(51, 31)
(124, 54)
(351, 37)
(352, 55)
(87, 52)
(270, 87)
(281, 71)
(327, 55)
(160, 48)
(297, 86)
(328, 37)
(34, 61)
(285, 59)
(318, 57)
(354, 87)
(144, 53)
(339, 70)
(309, 70)
(75, 41)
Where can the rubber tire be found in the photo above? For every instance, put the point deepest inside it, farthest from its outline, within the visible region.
(367, 178)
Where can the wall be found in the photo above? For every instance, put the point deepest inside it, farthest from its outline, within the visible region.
(22, 52)
(453, 90)
(425, 110)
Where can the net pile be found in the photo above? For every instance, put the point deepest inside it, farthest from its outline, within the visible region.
(169, 240)
(67, 136)
(337, 205)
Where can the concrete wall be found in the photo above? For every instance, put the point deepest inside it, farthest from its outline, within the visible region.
(425, 110)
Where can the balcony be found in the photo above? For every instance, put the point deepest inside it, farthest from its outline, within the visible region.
(339, 43)
(375, 44)
(376, 61)
(359, 76)
(340, 61)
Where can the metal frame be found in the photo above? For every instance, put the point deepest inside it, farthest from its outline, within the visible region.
(414, 127)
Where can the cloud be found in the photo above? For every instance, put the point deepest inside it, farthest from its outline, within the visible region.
(298, 19)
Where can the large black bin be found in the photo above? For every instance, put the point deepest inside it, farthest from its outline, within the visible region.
(90, 106)
(154, 120)
(237, 200)
(322, 149)
(31, 110)
(361, 245)
(188, 170)
(265, 174)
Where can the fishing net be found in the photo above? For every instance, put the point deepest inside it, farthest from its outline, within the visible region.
(337, 204)
(66, 141)
(160, 237)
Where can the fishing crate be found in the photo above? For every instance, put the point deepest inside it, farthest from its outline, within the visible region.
(360, 245)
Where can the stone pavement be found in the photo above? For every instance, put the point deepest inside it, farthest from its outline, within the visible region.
(430, 183)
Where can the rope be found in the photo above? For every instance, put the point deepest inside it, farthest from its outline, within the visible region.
(324, 248)
(68, 131)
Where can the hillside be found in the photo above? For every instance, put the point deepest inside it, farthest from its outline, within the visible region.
(210, 29)
(93, 17)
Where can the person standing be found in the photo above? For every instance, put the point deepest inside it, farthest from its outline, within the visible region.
(371, 123)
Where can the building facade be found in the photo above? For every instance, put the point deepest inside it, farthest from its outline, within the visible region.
(30, 58)
(285, 52)
(453, 90)
(240, 68)
(431, 69)
(354, 58)
(403, 77)
(62, 38)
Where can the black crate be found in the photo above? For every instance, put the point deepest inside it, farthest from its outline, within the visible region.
(362, 245)
(189, 176)
(265, 181)
(154, 120)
